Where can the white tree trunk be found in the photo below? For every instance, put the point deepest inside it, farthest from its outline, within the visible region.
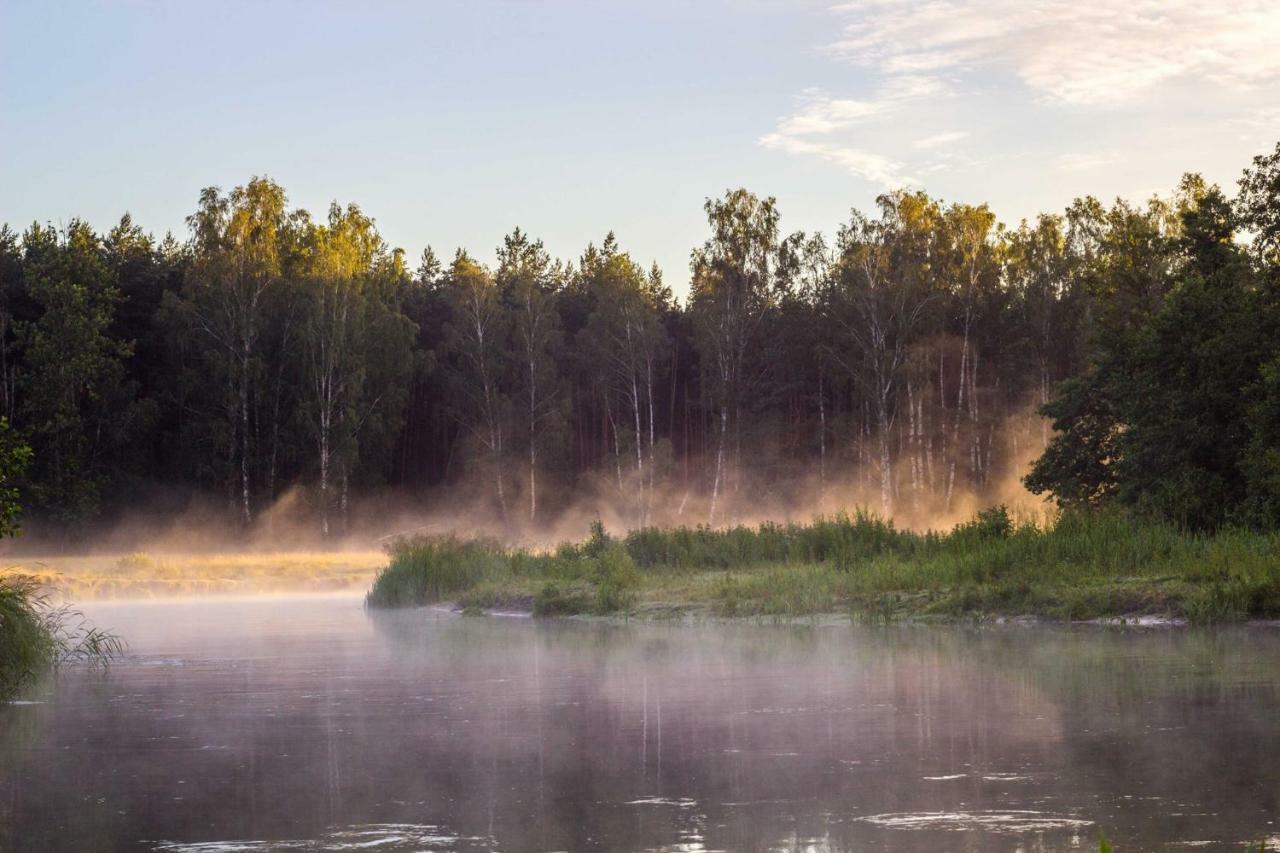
(715, 486)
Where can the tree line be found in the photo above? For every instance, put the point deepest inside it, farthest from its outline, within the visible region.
(920, 353)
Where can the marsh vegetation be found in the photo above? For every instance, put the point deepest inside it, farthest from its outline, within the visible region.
(37, 635)
(1082, 565)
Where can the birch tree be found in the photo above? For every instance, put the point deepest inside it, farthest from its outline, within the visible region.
(477, 338)
(624, 332)
(880, 290)
(733, 287)
(237, 239)
(526, 276)
(967, 265)
(340, 261)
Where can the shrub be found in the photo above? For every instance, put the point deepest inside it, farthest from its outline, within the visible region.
(553, 600)
(615, 576)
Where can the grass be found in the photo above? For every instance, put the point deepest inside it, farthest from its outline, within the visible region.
(598, 575)
(1080, 566)
(36, 636)
(146, 575)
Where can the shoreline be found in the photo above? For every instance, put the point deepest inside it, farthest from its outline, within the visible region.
(693, 614)
(1079, 568)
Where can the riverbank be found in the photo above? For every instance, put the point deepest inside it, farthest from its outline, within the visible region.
(1079, 567)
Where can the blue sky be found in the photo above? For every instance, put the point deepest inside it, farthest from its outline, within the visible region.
(452, 122)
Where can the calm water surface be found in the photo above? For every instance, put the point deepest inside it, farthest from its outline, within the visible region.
(309, 724)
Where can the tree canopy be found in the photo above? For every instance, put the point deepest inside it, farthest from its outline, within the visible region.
(918, 359)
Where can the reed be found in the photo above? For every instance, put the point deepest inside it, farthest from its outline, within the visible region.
(36, 636)
(1079, 566)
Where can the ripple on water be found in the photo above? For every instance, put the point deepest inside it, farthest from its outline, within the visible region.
(382, 836)
(1006, 777)
(1008, 821)
(683, 802)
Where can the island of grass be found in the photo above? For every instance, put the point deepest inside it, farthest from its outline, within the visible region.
(1081, 566)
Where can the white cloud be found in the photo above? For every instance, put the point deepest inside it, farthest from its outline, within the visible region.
(940, 139)
(1065, 86)
(865, 164)
(1082, 52)
(1075, 162)
(822, 114)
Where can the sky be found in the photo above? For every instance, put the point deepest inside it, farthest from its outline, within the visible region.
(453, 122)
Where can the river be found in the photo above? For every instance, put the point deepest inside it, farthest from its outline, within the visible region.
(310, 724)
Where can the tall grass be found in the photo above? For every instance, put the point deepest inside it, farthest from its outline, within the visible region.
(598, 574)
(1083, 565)
(36, 636)
(431, 568)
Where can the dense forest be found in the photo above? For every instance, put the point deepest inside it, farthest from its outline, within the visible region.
(917, 360)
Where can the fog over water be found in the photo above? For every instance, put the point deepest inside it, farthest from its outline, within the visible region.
(310, 724)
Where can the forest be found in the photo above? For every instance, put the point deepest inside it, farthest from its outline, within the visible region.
(919, 360)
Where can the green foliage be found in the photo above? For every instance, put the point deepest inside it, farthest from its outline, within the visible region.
(1258, 206)
(990, 523)
(427, 569)
(273, 354)
(1076, 466)
(1085, 565)
(615, 577)
(1175, 417)
(15, 456)
(598, 574)
(36, 636)
(27, 647)
(1261, 463)
(77, 401)
(554, 600)
(728, 595)
(840, 539)
(598, 540)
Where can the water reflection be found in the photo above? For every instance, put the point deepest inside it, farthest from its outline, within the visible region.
(308, 724)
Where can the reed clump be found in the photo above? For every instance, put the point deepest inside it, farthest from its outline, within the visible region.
(36, 636)
(598, 575)
(1082, 565)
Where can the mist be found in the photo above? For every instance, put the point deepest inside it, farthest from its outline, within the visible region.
(622, 499)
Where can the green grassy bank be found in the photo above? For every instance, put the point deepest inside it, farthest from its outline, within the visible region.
(1081, 566)
(36, 636)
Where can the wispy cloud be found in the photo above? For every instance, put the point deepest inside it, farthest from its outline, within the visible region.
(1021, 57)
(865, 164)
(1078, 162)
(940, 139)
(1083, 52)
(820, 115)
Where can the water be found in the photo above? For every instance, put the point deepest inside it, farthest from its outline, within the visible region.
(307, 724)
